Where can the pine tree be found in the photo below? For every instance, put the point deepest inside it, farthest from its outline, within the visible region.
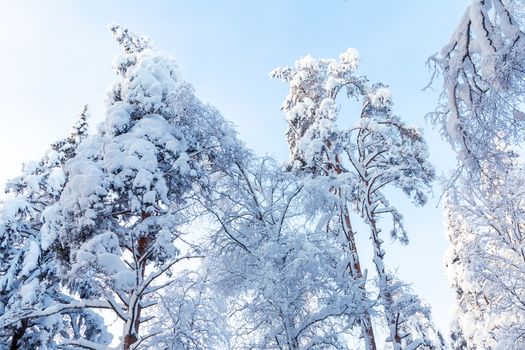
(122, 213)
(30, 275)
(357, 164)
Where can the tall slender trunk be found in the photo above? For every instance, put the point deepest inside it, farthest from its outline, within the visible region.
(384, 280)
(131, 329)
(365, 321)
(384, 291)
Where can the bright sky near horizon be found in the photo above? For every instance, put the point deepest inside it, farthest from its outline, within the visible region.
(56, 56)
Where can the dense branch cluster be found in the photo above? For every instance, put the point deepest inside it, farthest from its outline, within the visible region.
(355, 166)
(482, 116)
(484, 81)
(162, 230)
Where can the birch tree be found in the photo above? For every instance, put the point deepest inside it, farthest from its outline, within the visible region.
(191, 315)
(486, 259)
(280, 275)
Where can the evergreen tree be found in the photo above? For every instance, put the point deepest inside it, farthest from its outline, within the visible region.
(121, 215)
(357, 164)
(29, 273)
(481, 114)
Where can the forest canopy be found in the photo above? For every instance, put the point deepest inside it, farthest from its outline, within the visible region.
(161, 229)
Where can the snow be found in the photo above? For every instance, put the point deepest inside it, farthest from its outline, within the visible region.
(381, 97)
(143, 180)
(138, 154)
(13, 207)
(378, 150)
(181, 164)
(414, 345)
(56, 179)
(281, 252)
(30, 167)
(111, 263)
(125, 280)
(7, 280)
(328, 109)
(106, 242)
(150, 81)
(332, 83)
(146, 90)
(310, 147)
(84, 186)
(150, 197)
(351, 57)
(31, 259)
(519, 115)
(118, 117)
(28, 292)
(155, 128)
(33, 182)
(53, 158)
(47, 232)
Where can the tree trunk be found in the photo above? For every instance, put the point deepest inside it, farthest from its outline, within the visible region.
(131, 330)
(367, 331)
(384, 291)
(18, 334)
(355, 271)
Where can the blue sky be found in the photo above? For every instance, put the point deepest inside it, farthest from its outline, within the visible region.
(56, 57)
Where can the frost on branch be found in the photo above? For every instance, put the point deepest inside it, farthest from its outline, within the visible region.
(481, 114)
(130, 42)
(283, 279)
(191, 315)
(29, 273)
(485, 260)
(130, 189)
(482, 66)
(355, 166)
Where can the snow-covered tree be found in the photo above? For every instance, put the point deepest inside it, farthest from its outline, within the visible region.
(486, 259)
(121, 217)
(483, 71)
(29, 273)
(283, 278)
(357, 164)
(481, 114)
(191, 315)
(386, 152)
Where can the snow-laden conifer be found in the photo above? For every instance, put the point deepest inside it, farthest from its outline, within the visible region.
(121, 217)
(356, 165)
(29, 273)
